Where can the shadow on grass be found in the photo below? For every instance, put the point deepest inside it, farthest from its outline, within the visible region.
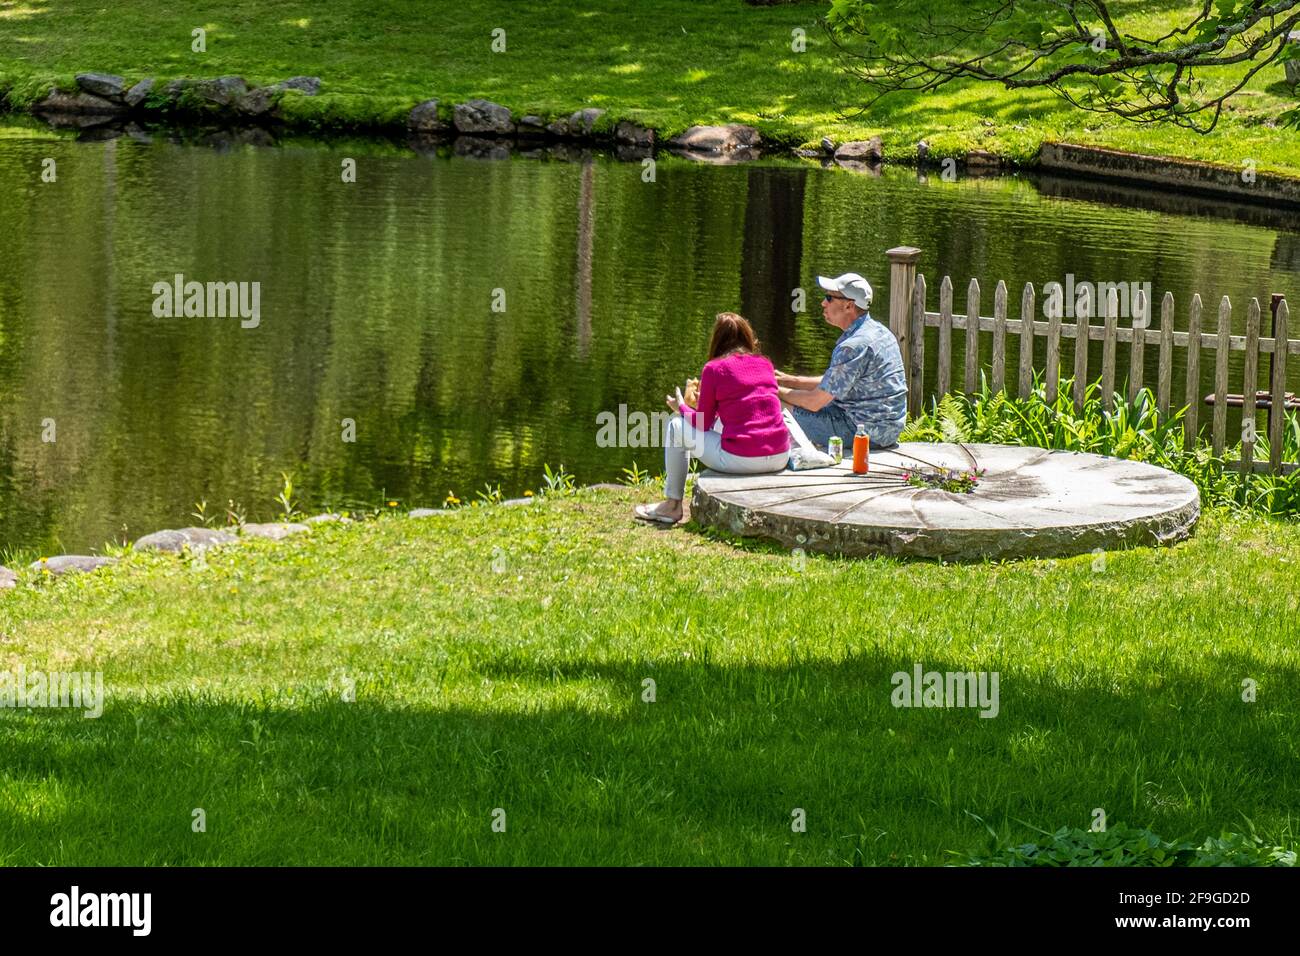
(709, 772)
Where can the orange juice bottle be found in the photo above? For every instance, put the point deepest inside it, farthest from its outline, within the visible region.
(861, 449)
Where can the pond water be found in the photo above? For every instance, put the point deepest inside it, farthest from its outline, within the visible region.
(466, 321)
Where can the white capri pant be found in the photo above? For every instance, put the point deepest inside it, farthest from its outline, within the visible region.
(682, 439)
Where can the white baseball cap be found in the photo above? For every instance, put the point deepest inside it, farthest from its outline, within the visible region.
(851, 286)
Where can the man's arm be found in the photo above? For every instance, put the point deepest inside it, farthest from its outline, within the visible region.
(812, 398)
(797, 381)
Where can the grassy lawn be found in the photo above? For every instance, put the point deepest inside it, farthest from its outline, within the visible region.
(499, 655)
(666, 63)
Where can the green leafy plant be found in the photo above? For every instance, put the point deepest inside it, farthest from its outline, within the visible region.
(1134, 429)
(558, 482)
(1122, 845)
(285, 499)
(202, 515)
(490, 495)
(636, 476)
(944, 479)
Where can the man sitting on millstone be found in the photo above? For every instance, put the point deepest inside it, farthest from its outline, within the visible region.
(864, 384)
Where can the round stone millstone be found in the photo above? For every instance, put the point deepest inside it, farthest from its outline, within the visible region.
(1030, 503)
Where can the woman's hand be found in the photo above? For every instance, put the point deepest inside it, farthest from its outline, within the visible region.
(675, 402)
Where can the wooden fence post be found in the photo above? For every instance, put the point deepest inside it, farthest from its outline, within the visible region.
(902, 287)
(945, 336)
(973, 337)
(1165, 377)
(1278, 398)
(1026, 341)
(916, 355)
(1083, 309)
(1249, 391)
(1137, 346)
(1108, 343)
(1222, 345)
(1000, 337)
(1274, 301)
(1055, 312)
(1192, 394)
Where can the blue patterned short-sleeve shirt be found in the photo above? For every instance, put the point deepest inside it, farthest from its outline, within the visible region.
(866, 378)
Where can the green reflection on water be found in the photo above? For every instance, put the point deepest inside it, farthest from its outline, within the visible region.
(376, 306)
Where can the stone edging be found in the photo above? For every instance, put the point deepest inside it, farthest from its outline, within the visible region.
(1182, 174)
(198, 540)
(481, 127)
(104, 98)
(478, 126)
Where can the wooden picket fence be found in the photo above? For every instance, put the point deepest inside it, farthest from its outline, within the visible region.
(909, 318)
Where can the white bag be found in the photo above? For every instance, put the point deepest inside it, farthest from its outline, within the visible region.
(803, 454)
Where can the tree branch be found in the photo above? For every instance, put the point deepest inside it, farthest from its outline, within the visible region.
(1022, 44)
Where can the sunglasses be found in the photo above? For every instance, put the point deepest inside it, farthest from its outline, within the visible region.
(830, 298)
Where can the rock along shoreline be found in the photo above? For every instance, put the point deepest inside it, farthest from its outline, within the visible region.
(197, 540)
(104, 105)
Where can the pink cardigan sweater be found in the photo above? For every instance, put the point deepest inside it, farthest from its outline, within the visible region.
(740, 389)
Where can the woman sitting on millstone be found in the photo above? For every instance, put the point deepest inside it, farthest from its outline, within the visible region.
(737, 389)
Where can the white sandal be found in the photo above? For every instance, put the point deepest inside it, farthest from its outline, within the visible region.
(647, 513)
